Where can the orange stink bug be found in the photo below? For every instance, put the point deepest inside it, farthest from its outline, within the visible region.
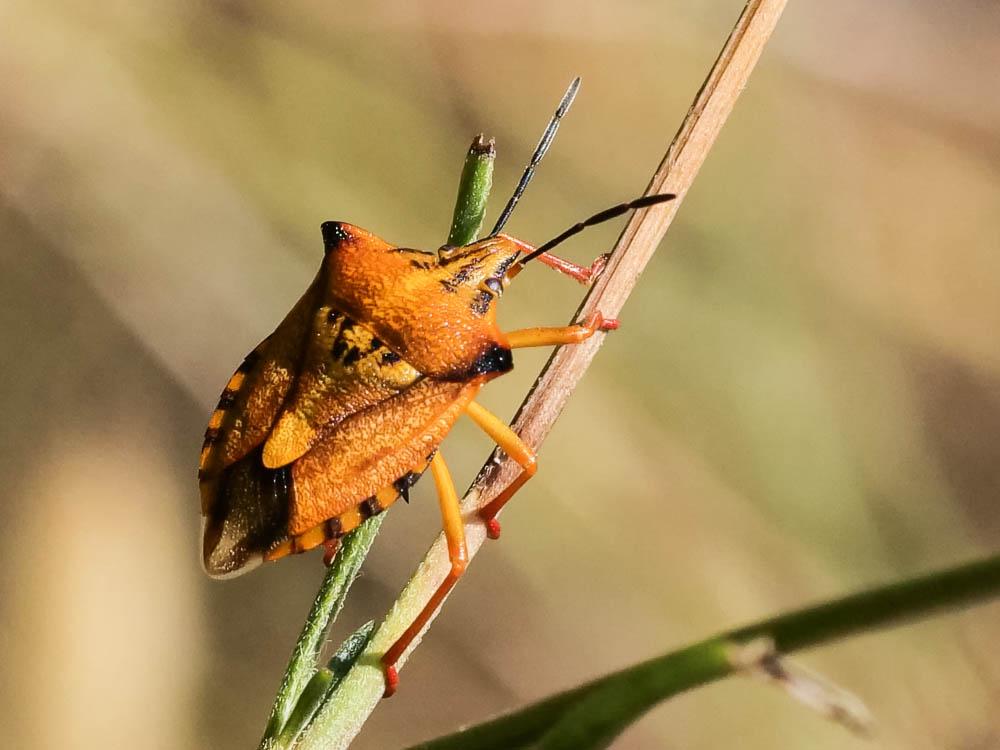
(337, 413)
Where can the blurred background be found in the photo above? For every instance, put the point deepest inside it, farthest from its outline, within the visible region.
(804, 397)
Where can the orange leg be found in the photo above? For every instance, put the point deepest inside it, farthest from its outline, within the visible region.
(514, 447)
(454, 532)
(561, 334)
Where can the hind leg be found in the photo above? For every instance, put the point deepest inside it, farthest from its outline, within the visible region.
(454, 532)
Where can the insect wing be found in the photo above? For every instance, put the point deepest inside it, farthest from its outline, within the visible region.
(373, 449)
(243, 502)
(248, 516)
(345, 369)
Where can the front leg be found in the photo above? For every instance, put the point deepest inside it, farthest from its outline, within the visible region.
(584, 274)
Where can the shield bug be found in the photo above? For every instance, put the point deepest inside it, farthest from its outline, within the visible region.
(336, 414)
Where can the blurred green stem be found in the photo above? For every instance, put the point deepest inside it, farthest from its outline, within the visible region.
(591, 716)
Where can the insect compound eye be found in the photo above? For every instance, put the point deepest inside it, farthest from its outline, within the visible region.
(494, 285)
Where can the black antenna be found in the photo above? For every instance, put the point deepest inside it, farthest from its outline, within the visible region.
(540, 149)
(598, 218)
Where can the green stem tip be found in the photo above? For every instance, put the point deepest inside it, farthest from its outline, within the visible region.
(473, 192)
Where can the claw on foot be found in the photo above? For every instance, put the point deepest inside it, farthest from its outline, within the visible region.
(492, 528)
(330, 547)
(597, 322)
(597, 268)
(391, 681)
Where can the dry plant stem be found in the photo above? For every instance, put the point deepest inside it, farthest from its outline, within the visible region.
(646, 229)
(341, 719)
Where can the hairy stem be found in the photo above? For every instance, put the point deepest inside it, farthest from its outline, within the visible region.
(327, 605)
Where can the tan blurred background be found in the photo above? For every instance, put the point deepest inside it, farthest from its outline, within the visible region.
(804, 397)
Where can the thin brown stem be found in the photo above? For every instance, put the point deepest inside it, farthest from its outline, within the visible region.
(644, 231)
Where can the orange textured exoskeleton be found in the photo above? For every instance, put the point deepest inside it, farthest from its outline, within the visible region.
(338, 412)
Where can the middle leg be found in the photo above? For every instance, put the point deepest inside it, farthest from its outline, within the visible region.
(514, 447)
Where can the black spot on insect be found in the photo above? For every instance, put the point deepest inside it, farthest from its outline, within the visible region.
(423, 265)
(505, 264)
(404, 483)
(407, 480)
(212, 435)
(249, 361)
(481, 303)
(227, 399)
(332, 316)
(462, 275)
(333, 234)
(339, 348)
(352, 356)
(389, 357)
(495, 358)
(376, 344)
(370, 507)
(335, 528)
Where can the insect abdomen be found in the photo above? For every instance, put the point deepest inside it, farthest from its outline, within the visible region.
(334, 528)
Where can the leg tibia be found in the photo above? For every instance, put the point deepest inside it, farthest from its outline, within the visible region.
(526, 337)
(514, 447)
(454, 531)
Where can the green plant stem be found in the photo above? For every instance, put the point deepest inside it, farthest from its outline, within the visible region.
(592, 715)
(323, 682)
(328, 603)
(473, 192)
